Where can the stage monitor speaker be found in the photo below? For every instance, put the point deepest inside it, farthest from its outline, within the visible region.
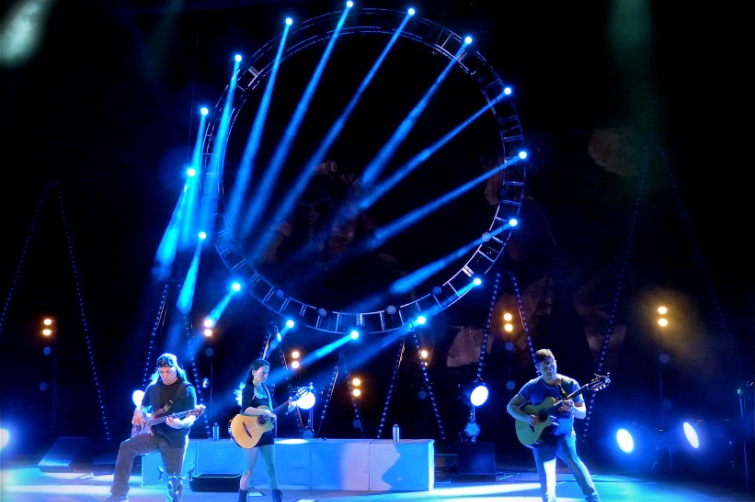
(68, 454)
(476, 459)
(215, 483)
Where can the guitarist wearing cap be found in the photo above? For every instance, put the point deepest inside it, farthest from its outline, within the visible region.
(173, 401)
(555, 432)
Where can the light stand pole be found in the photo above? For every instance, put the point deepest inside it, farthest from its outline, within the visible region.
(663, 359)
(48, 330)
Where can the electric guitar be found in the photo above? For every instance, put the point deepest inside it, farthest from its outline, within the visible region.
(156, 419)
(246, 430)
(529, 435)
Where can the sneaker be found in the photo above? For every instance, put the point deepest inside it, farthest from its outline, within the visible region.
(117, 498)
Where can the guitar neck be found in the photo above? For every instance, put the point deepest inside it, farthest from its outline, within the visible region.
(281, 408)
(161, 420)
(557, 404)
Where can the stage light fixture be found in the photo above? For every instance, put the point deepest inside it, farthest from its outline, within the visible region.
(625, 440)
(290, 323)
(476, 280)
(634, 448)
(690, 433)
(136, 397)
(475, 393)
(308, 397)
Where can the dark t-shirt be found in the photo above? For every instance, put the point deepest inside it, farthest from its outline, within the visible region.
(161, 393)
(536, 391)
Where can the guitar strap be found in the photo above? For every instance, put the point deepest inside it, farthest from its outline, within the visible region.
(178, 392)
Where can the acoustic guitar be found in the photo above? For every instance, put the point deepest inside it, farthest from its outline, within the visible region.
(246, 429)
(529, 435)
(157, 419)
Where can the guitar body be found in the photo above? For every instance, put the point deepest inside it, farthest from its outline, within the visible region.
(246, 430)
(158, 419)
(527, 434)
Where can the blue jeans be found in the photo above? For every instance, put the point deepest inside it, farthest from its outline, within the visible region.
(173, 458)
(565, 448)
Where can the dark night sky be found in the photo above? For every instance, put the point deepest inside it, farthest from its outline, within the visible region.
(105, 108)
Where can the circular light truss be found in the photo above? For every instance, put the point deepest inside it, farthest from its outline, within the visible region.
(491, 243)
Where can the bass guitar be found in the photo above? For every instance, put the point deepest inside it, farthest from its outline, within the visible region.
(246, 430)
(529, 435)
(157, 419)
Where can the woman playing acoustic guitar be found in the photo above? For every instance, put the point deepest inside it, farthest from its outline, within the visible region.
(257, 399)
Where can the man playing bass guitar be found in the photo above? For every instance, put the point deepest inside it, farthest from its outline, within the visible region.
(558, 440)
(173, 399)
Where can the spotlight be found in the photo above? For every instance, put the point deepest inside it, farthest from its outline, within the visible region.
(307, 399)
(354, 333)
(476, 280)
(625, 440)
(634, 448)
(691, 434)
(290, 323)
(136, 397)
(475, 393)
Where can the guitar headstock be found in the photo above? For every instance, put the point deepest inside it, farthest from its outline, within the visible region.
(600, 382)
(198, 411)
(300, 393)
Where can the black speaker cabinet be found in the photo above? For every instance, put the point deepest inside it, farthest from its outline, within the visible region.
(215, 483)
(68, 454)
(476, 459)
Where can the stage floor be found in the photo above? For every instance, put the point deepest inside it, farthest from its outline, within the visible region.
(26, 483)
